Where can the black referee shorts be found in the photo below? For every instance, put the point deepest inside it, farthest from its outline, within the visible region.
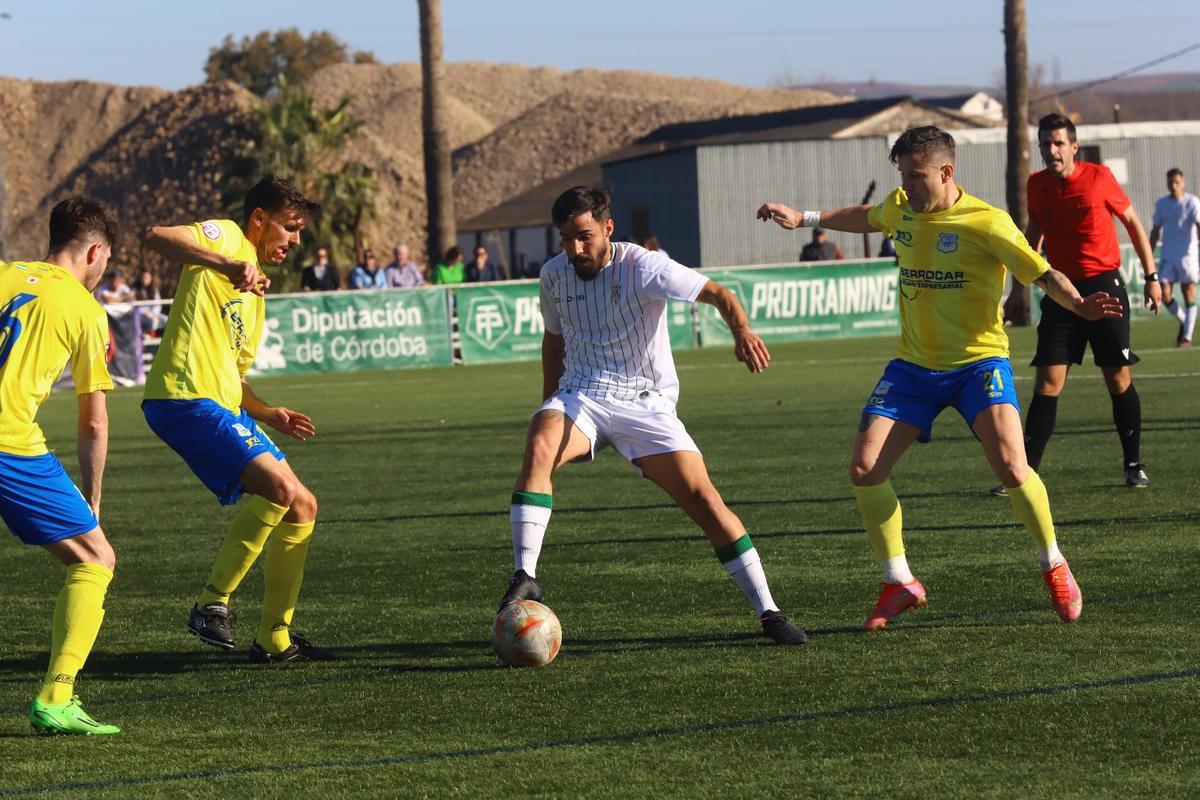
(1063, 335)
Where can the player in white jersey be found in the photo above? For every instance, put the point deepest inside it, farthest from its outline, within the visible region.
(608, 378)
(1177, 218)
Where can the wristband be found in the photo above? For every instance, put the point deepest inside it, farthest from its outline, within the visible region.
(1152, 277)
(810, 219)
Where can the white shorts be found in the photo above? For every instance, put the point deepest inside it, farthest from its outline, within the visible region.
(646, 426)
(1179, 270)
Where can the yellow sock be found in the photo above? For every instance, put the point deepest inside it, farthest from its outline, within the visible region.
(249, 530)
(78, 613)
(1032, 507)
(283, 571)
(882, 518)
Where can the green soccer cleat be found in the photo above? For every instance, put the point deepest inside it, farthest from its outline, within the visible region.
(66, 718)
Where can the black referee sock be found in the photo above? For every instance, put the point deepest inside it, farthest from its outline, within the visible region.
(1039, 425)
(1127, 416)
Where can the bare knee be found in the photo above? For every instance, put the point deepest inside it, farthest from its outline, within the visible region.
(706, 502)
(104, 555)
(303, 506)
(1118, 381)
(1013, 472)
(283, 490)
(866, 472)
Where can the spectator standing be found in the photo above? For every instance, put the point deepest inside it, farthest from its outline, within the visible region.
(403, 273)
(368, 275)
(153, 320)
(451, 270)
(481, 270)
(651, 243)
(820, 249)
(321, 275)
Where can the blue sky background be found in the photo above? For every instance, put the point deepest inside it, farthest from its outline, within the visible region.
(933, 42)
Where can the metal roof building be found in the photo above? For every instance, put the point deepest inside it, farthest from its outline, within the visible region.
(699, 196)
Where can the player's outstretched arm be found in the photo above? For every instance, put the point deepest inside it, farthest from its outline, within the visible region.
(747, 346)
(853, 219)
(1094, 306)
(93, 445)
(1141, 244)
(554, 351)
(293, 423)
(175, 243)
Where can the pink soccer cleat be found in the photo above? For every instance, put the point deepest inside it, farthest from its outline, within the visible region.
(894, 598)
(1064, 592)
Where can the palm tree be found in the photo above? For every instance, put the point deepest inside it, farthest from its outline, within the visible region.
(307, 147)
(439, 189)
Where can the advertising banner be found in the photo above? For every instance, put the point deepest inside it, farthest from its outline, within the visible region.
(503, 322)
(815, 301)
(339, 331)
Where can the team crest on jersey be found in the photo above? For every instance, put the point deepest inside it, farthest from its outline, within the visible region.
(947, 242)
(237, 330)
(211, 230)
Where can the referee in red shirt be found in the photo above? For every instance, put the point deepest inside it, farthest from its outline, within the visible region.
(1071, 204)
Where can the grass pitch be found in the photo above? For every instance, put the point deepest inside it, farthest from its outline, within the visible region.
(664, 686)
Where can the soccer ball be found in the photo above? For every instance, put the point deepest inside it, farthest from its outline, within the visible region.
(526, 634)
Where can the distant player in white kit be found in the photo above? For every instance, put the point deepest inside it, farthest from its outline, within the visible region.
(608, 378)
(1177, 218)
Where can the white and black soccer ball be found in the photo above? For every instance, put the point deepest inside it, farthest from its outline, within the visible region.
(526, 634)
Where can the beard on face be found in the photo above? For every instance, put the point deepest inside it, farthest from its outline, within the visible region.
(588, 271)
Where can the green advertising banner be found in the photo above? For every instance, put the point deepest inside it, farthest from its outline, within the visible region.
(499, 322)
(816, 301)
(337, 331)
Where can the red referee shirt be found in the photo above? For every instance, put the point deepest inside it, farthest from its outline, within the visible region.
(1075, 216)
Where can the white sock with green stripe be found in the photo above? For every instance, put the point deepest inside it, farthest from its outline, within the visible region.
(529, 516)
(741, 561)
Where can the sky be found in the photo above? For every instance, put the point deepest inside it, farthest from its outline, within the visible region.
(165, 44)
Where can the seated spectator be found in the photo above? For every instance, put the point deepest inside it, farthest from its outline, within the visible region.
(888, 248)
(481, 270)
(368, 275)
(451, 269)
(115, 290)
(321, 275)
(819, 249)
(651, 243)
(152, 316)
(403, 273)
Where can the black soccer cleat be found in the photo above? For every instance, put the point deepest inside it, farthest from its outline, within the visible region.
(780, 629)
(521, 587)
(299, 650)
(1136, 477)
(211, 624)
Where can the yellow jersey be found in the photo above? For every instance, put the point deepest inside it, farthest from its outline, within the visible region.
(952, 275)
(47, 320)
(212, 330)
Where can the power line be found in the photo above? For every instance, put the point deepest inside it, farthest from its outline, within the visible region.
(1125, 73)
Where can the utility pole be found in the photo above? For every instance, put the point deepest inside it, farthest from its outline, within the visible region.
(439, 180)
(1016, 84)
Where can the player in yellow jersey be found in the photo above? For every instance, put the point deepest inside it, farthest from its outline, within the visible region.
(49, 318)
(198, 401)
(953, 252)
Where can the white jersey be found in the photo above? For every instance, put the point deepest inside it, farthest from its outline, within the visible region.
(614, 326)
(1178, 219)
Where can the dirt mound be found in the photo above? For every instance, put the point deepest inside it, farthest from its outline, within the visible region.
(514, 127)
(163, 167)
(158, 155)
(51, 129)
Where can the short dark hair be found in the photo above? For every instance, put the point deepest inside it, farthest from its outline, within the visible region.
(1057, 121)
(927, 140)
(1173, 171)
(580, 200)
(452, 255)
(80, 218)
(273, 194)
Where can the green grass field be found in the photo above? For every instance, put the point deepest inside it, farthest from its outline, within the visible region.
(664, 687)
